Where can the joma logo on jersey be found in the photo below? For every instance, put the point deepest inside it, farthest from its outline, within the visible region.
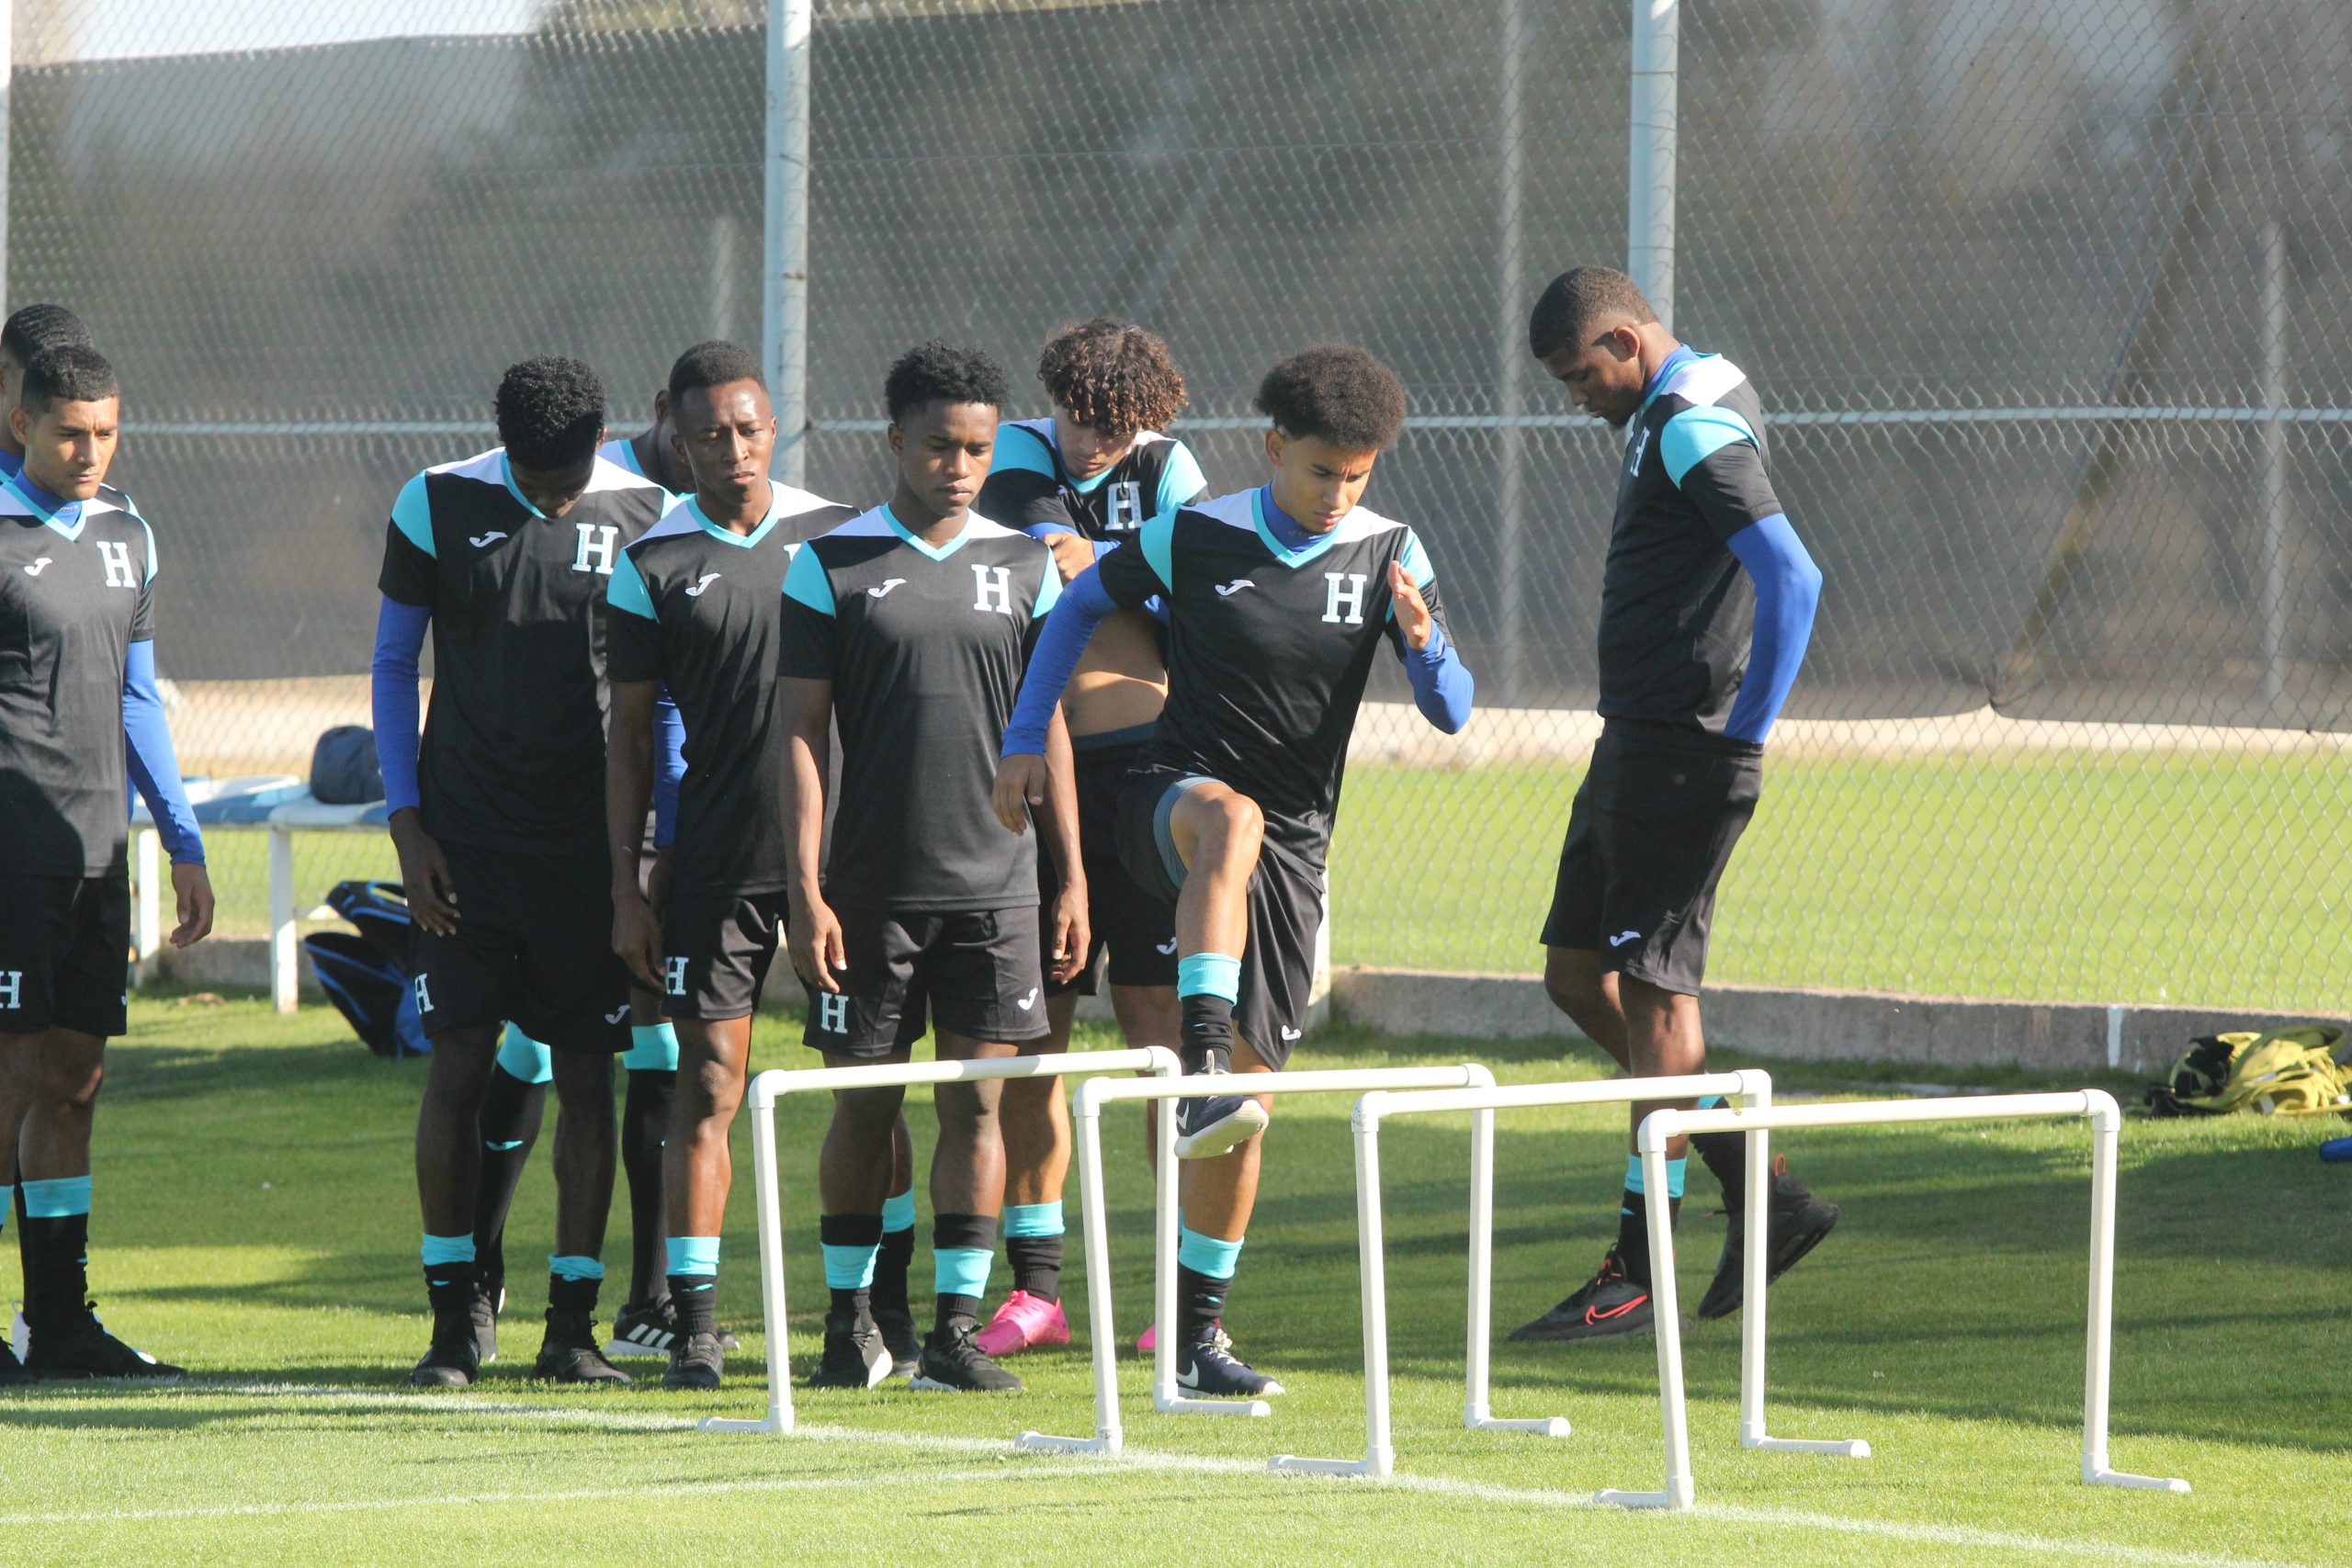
(1123, 507)
(116, 554)
(1344, 604)
(598, 544)
(992, 589)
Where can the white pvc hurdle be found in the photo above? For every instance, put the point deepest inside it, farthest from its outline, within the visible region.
(1086, 1120)
(1660, 1126)
(1751, 1086)
(772, 1086)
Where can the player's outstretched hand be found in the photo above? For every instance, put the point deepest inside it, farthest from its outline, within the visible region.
(1020, 784)
(1413, 617)
(1072, 938)
(819, 956)
(425, 874)
(637, 937)
(192, 887)
(1072, 552)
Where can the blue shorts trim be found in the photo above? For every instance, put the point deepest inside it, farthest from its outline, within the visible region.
(1165, 836)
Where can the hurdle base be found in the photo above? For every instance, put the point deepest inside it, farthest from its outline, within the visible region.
(2125, 1478)
(1843, 1448)
(1679, 1498)
(775, 1422)
(1542, 1426)
(1257, 1408)
(1378, 1463)
(1109, 1444)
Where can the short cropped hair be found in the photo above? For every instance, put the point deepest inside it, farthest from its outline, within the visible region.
(1574, 305)
(1341, 395)
(1113, 377)
(550, 413)
(30, 329)
(71, 373)
(939, 372)
(712, 363)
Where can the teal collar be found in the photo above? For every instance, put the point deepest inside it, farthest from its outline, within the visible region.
(729, 535)
(1261, 499)
(936, 552)
(56, 513)
(506, 472)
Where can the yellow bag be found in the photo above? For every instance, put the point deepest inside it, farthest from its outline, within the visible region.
(2282, 1072)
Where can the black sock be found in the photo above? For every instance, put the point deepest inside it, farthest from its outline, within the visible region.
(955, 1310)
(645, 1126)
(1200, 1303)
(890, 1264)
(1036, 1264)
(696, 1299)
(1726, 1157)
(509, 1123)
(450, 1288)
(1208, 1032)
(572, 1295)
(1634, 1233)
(57, 1269)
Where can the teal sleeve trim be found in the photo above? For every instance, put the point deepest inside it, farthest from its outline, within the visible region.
(693, 1256)
(1180, 481)
(412, 514)
(1157, 542)
(1690, 436)
(1207, 1255)
(1049, 591)
(1033, 1219)
(898, 1212)
(625, 590)
(57, 1197)
(1416, 561)
(1022, 450)
(522, 1057)
(151, 546)
(653, 1048)
(807, 582)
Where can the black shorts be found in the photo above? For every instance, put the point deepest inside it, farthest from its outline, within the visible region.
(1648, 837)
(717, 949)
(977, 969)
(64, 953)
(1134, 929)
(534, 946)
(1287, 906)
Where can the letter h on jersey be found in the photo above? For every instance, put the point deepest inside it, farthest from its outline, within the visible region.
(12, 982)
(116, 554)
(598, 542)
(992, 589)
(1346, 600)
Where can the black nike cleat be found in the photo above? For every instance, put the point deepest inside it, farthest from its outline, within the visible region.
(12, 1370)
(855, 1355)
(696, 1363)
(569, 1353)
(1607, 1305)
(81, 1347)
(488, 1303)
(1208, 1368)
(953, 1364)
(905, 1345)
(1795, 1222)
(453, 1361)
(1208, 1127)
(650, 1328)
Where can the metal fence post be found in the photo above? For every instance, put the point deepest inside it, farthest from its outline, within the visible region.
(783, 285)
(1650, 186)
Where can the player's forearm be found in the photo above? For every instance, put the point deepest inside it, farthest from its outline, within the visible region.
(1068, 628)
(1444, 688)
(669, 767)
(399, 638)
(155, 766)
(1788, 593)
(1060, 824)
(629, 778)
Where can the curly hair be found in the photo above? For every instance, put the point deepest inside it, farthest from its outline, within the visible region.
(939, 372)
(31, 330)
(550, 413)
(1573, 306)
(1112, 376)
(1341, 395)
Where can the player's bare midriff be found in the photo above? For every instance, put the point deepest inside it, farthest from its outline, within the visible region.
(1121, 682)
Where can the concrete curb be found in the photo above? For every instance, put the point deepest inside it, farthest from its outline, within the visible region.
(1809, 1025)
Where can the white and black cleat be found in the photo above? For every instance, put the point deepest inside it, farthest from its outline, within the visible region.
(1208, 1368)
(1216, 1124)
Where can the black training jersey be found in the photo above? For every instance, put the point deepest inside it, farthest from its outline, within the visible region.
(1268, 647)
(514, 748)
(1027, 484)
(76, 589)
(1677, 610)
(925, 647)
(698, 607)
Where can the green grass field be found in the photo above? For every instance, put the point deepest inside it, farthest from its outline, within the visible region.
(255, 1219)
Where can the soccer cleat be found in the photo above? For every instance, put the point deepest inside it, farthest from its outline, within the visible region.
(1208, 1368)
(696, 1363)
(905, 1345)
(82, 1348)
(1208, 1127)
(1795, 1222)
(1607, 1305)
(650, 1328)
(1149, 1340)
(452, 1360)
(486, 1304)
(952, 1363)
(1023, 1322)
(855, 1355)
(569, 1353)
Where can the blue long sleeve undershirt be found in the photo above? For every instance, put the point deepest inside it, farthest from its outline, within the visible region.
(400, 639)
(155, 766)
(1788, 591)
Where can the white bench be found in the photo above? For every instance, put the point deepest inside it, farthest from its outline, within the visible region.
(279, 805)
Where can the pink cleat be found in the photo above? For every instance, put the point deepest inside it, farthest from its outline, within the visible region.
(1023, 1322)
(1147, 1341)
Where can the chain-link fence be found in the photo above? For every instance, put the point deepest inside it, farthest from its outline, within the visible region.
(2050, 300)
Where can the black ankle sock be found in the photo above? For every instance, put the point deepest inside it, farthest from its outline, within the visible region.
(450, 1288)
(57, 1268)
(856, 1305)
(1634, 1233)
(1208, 1032)
(1036, 1264)
(1726, 1157)
(572, 1295)
(890, 1262)
(645, 1126)
(509, 1125)
(1200, 1303)
(952, 1312)
(959, 1232)
(694, 1298)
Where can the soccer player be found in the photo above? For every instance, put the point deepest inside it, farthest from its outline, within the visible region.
(910, 624)
(1279, 598)
(499, 821)
(29, 331)
(1086, 479)
(1706, 603)
(697, 609)
(78, 704)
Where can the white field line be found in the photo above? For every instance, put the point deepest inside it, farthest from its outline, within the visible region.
(1035, 1466)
